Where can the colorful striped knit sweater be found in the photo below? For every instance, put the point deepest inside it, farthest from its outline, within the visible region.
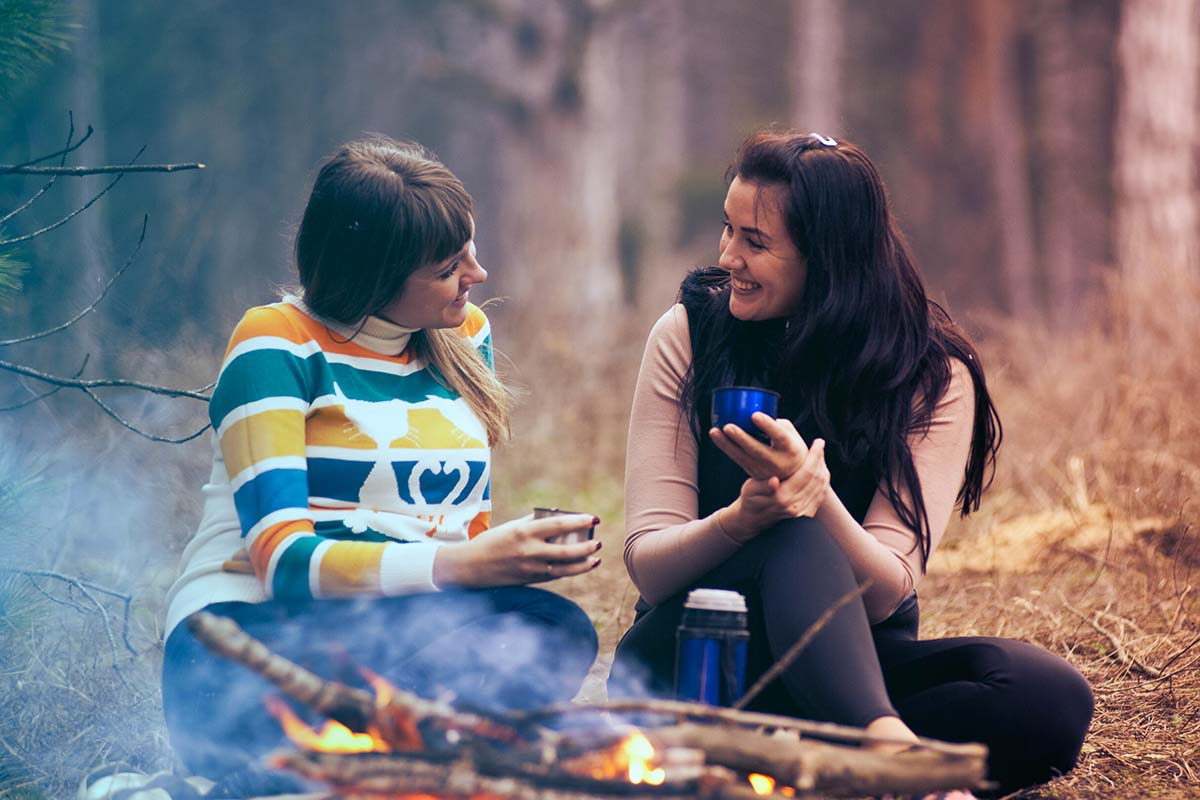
(347, 466)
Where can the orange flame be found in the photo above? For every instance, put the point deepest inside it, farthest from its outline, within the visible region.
(401, 727)
(638, 752)
(333, 737)
(762, 784)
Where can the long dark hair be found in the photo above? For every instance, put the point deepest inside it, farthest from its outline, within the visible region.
(865, 356)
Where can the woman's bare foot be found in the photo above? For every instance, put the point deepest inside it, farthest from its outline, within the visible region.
(891, 728)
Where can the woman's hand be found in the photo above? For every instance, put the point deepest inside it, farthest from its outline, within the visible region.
(781, 458)
(763, 502)
(517, 553)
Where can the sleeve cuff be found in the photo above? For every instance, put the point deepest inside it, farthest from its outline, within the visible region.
(407, 568)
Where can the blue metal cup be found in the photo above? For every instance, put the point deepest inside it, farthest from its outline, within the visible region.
(711, 643)
(737, 404)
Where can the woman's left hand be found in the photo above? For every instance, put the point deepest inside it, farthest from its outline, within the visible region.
(781, 458)
(763, 502)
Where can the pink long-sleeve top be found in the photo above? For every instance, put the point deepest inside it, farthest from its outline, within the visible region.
(667, 547)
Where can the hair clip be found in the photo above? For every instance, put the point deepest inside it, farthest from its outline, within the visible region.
(825, 140)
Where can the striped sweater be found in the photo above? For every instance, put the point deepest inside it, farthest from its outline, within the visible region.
(347, 466)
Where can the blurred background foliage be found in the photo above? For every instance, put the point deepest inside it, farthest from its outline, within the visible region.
(1040, 155)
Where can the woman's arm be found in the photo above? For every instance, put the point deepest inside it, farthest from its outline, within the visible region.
(883, 547)
(666, 546)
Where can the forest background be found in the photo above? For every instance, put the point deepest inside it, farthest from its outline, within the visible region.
(1041, 156)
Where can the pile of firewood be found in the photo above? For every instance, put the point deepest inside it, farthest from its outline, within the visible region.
(432, 748)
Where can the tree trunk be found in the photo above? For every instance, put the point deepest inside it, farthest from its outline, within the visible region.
(1156, 199)
(1010, 167)
(815, 71)
(1072, 156)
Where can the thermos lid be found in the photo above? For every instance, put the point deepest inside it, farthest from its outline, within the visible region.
(716, 600)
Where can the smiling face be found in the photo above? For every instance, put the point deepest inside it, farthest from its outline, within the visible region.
(766, 270)
(435, 295)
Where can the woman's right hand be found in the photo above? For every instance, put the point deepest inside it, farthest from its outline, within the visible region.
(517, 553)
(764, 501)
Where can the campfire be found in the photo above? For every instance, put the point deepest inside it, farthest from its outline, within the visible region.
(389, 743)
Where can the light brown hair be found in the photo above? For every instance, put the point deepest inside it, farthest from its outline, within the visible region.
(379, 210)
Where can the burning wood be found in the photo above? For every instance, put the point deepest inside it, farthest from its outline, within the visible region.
(390, 715)
(378, 748)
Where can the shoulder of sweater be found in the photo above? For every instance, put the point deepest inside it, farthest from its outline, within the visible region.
(669, 345)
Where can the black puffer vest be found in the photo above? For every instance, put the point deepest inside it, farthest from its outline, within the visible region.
(705, 294)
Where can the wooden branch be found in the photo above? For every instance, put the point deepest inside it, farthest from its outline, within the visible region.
(682, 710)
(393, 774)
(49, 392)
(810, 765)
(73, 214)
(354, 708)
(804, 641)
(63, 160)
(76, 172)
(68, 148)
(395, 721)
(103, 383)
(91, 307)
(107, 409)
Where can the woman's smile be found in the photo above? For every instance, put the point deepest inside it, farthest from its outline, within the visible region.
(766, 271)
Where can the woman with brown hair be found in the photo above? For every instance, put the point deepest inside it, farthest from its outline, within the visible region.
(347, 521)
(885, 425)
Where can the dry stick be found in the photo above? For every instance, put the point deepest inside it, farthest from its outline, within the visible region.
(678, 708)
(103, 292)
(796, 649)
(68, 149)
(144, 434)
(810, 765)
(73, 214)
(74, 172)
(104, 383)
(373, 774)
(48, 393)
(46, 187)
(355, 708)
(1119, 651)
(82, 585)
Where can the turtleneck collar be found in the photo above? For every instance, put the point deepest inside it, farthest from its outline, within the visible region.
(376, 334)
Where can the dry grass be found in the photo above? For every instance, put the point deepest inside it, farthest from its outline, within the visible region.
(1088, 543)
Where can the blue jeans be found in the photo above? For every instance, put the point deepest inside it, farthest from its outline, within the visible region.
(505, 648)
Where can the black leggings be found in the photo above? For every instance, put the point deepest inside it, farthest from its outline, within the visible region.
(1030, 707)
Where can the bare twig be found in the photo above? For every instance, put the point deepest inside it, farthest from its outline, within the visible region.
(45, 188)
(66, 150)
(108, 169)
(91, 307)
(73, 214)
(135, 429)
(105, 383)
(1119, 650)
(30, 401)
(86, 588)
(804, 641)
(82, 585)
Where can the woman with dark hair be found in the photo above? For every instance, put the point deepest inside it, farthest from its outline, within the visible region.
(347, 522)
(885, 425)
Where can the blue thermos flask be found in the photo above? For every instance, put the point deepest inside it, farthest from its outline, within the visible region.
(710, 647)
